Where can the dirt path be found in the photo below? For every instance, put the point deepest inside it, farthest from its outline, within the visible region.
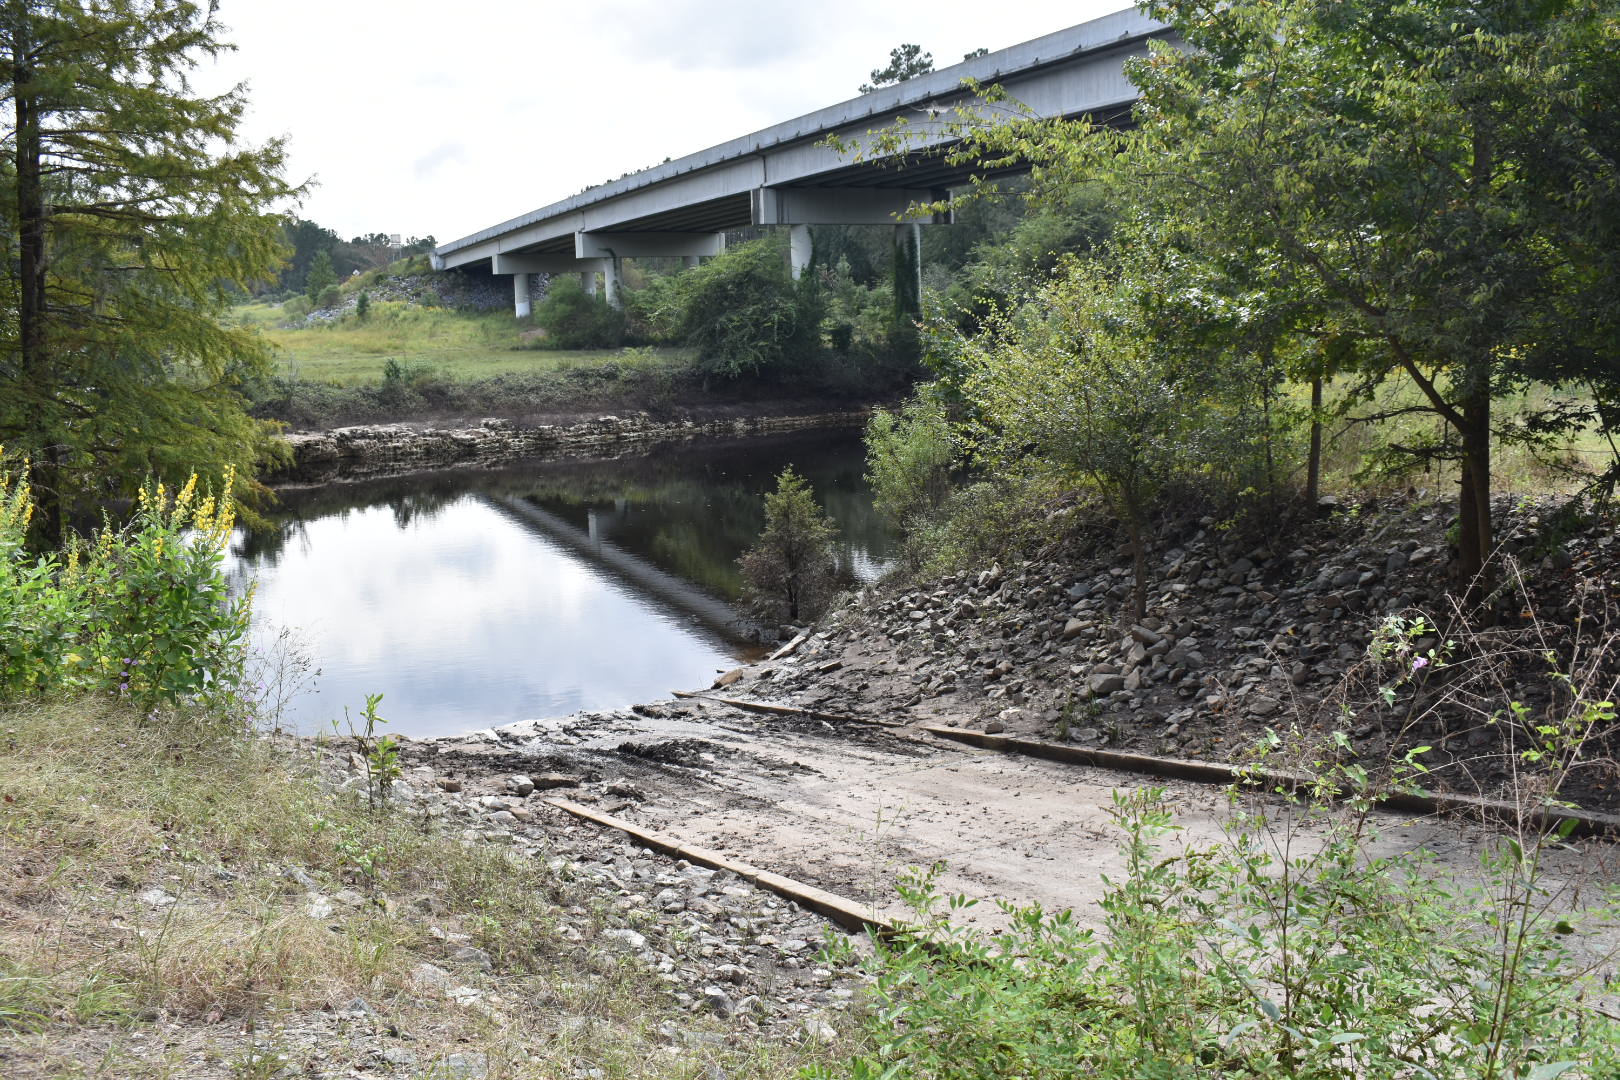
(847, 807)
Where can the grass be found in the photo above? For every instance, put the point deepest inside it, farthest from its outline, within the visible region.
(459, 346)
(156, 922)
(1350, 460)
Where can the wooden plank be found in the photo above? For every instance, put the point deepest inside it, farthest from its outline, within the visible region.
(787, 710)
(1586, 822)
(846, 913)
(788, 649)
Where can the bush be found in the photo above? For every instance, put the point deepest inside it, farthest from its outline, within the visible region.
(990, 521)
(330, 297)
(297, 307)
(792, 573)
(1237, 961)
(573, 319)
(744, 314)
(143, 611)
(909, 458)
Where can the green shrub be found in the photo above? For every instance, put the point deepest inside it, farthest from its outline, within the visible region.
(573, 319)
(330, 297)
(142, 611)
(1258, 956)
(792, 573)
(297, 307)
(910, 455)
(988, 521)
(745, 315)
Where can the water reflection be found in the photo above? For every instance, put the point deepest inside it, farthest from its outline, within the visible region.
(475, 598)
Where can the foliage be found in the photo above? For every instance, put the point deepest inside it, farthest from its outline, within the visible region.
(910, 455)
(792, 572)
(1302, 943)
(379, 753)
(321, 277)
(905, 62)
(130, 216)
(1238, 960)
(986, 521)
(141, 612)
(574, 319)
(1078, 377)
(1075, 221)
(745, 315)
(362, 307)
(1420, 191)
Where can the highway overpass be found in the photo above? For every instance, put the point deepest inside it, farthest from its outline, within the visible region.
(787, 175)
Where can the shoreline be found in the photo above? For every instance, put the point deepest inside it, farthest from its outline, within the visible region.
(367, 451)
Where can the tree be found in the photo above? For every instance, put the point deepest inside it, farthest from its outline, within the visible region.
(131, 214)
(905, 62)
(910, 455)
(306, 239)
(321, 276)
(1424, 191)
(1078, 377)
(575, 319)
(793, 571)
(745, 314)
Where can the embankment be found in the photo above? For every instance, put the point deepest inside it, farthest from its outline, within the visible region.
(383, 449)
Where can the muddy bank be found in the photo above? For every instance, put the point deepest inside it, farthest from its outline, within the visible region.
(389, 449)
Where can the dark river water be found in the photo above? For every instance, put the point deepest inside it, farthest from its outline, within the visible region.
(475, 598)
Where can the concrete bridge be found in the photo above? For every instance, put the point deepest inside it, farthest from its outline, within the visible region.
(785, 175)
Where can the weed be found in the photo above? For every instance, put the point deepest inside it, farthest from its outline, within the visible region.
(1302, 945)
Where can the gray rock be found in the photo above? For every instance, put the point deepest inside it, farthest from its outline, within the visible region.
(1073, 629)
(719, 1001)
(626, 938)
(816, 1029)
(1106, 684)
(473, 957)
(466, 1066)
(431, 978)
(1262, 706)
(1145, 636)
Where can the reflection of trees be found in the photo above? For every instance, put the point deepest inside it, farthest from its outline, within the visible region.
(690, 510)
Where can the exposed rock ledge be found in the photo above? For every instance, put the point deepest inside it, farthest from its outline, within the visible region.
(378, 449)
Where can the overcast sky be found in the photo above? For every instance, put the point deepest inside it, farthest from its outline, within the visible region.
(445, 116)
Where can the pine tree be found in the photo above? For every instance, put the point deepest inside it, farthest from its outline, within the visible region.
(793, 571)
(130, 215)
(321, 276)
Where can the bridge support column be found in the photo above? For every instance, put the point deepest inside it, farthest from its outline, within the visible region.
(587, 280)
(908, 271)
(691, 261)
(800, 249)
(610, 283)
(520, 294)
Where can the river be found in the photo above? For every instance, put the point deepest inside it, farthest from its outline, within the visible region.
(472, 598)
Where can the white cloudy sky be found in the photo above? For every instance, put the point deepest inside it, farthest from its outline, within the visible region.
(445, 116)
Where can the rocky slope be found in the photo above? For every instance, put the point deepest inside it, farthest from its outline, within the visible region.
(1240, 637)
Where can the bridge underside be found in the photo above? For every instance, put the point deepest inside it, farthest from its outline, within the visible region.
(788, 175)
